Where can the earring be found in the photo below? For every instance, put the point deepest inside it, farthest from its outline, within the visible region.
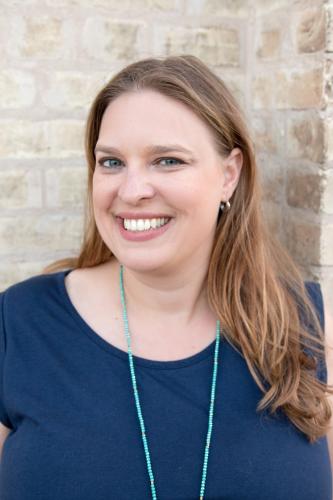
(225, 205)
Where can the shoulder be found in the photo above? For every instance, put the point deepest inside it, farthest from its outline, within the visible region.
(35, 290)
(34, 282)
(29, 307)
(85, 284)
(79, 279)
(92, 290)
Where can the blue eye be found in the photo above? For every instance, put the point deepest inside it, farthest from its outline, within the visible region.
(114, 163)
(176, 161)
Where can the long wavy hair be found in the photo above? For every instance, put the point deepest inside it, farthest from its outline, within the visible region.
(254, 286)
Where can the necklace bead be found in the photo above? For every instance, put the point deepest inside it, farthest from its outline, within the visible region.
(138, 405)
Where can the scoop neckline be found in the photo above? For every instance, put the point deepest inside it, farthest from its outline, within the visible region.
(115, 351)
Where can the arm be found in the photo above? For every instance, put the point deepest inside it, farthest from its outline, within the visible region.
(328, 308)
(4, 431)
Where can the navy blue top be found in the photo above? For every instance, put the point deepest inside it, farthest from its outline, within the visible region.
(66, 394)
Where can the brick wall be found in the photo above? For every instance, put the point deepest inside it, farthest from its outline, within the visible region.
(291, 106)
(54, 56)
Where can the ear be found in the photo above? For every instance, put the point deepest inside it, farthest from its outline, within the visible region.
(232, 166)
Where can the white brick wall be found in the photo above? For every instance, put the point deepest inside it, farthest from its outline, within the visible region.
(275, 55)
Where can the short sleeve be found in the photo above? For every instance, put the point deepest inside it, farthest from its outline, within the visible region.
(4, 419)
(315, 294)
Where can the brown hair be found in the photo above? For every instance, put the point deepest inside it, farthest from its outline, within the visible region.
(253, 285)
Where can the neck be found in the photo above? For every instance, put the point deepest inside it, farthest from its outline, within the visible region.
(180, 297)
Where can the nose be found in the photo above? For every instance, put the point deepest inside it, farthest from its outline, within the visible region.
(134, 187)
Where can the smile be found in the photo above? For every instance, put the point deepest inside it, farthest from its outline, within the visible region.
(144, 224)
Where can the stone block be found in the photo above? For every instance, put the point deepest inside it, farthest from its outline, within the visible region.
(39, 37)
(39, 233)
(21, 138)
(123, 8)
(28, 139)
(299, 89)
(20, 188)
(328, 80)
(264, 6)
(42, 36)
(161, 5)
(3, 37)
(18, 3)
(262, 92)
(328, 130)
(227, 8)
(326, 248)
(235, 83)
(70, 90)
(65, 187)
(303, 239)
(215, 45)
(304, 189)
(329, 27)
(269, 44)
(268, 132)
(272, 181)
(302, 4)
(306, 136)
(64, 138)
(17, 89)
(106, 39)
(327, 197)
(311, 31)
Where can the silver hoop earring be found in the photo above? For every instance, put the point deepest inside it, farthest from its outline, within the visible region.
(225, 206)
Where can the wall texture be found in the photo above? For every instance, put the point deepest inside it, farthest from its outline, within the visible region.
(275, 56)
(289, 65)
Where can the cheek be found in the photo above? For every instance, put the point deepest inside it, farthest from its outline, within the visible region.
(204, 193)
(102, 195)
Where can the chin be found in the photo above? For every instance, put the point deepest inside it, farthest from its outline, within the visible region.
(145, 263)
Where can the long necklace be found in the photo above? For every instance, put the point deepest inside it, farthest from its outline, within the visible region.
(137, 400)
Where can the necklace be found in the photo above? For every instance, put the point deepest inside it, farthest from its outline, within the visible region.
(137, 399)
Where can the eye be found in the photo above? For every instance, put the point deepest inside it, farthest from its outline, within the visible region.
(114, 163)
(170, 161)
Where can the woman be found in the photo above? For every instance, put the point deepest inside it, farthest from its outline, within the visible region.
(180, 356)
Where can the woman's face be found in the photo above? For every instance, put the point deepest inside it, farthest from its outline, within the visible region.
(158, 183)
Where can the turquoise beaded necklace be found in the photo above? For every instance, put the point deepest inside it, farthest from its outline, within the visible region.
(137, 400)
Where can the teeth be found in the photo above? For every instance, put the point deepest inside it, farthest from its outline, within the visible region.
(144, 224)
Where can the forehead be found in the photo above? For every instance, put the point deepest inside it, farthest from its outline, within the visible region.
(149, 115)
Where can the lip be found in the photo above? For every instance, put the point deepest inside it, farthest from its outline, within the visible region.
(142, 215)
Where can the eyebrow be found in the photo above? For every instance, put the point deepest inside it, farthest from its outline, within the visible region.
(155, 149)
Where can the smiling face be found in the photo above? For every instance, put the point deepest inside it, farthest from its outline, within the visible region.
(158, 183)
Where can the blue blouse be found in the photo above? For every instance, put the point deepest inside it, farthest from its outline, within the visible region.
(66, 394)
